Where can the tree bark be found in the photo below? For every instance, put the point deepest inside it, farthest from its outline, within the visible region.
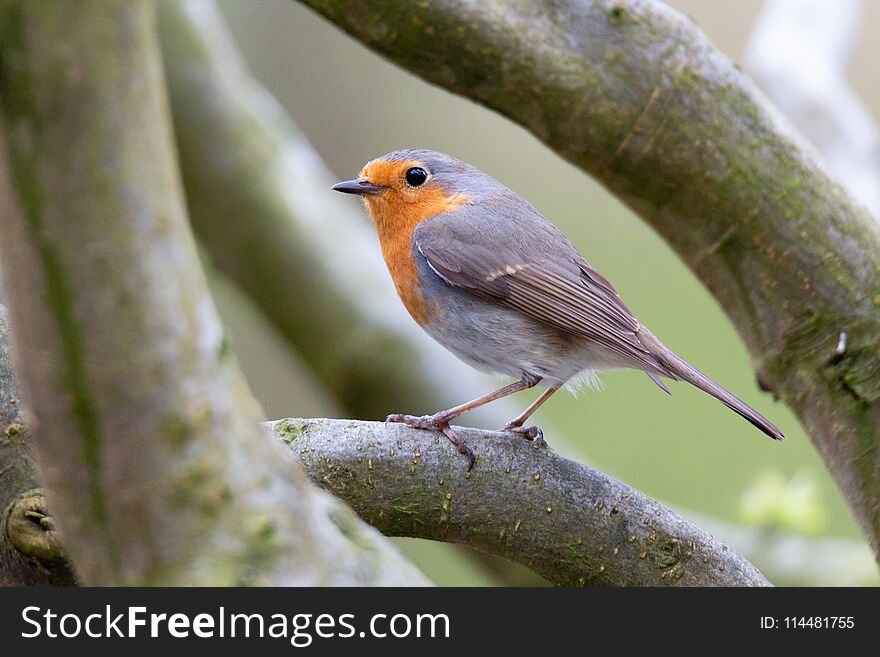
(147, 434)
(30, 548)
(636, 95)
(567, 522)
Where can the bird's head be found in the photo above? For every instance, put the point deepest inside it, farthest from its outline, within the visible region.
(417, 182)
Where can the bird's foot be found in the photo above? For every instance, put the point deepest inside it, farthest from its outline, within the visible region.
(529, 433)
(460, 445)
(437, 422)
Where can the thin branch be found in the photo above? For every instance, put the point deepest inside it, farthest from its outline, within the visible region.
(794, 261)
(571, 524)
(147, 435)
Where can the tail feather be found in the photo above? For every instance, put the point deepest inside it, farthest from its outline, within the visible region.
(678, 368)
(656, 379)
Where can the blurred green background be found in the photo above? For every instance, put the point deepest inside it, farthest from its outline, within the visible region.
(687, 450)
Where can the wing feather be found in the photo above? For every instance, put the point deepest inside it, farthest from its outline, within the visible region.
(532, 268)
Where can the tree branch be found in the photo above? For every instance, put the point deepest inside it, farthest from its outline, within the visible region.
(147, 439)
(569, 523)
(636, 95)
(30, 548)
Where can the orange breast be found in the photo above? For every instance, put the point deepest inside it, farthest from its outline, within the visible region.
(395, 221)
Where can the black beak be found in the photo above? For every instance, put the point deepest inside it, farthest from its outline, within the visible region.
(357, 186)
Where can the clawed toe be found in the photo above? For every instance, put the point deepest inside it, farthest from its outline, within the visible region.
(463, 448)
(416, 421)
(529, 433)
(437, 422)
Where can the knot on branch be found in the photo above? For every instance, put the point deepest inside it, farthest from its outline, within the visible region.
(30, 529)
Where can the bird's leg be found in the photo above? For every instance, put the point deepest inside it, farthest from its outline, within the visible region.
(440, 421)
(443, 418)
(531, 433)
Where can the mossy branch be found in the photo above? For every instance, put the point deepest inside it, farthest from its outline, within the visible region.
(31, 553)
(146, 432)
(569, 523)
(636, 95)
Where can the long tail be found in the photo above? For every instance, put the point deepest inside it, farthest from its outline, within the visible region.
(679, 369)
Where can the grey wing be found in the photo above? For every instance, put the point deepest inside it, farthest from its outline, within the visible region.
(535, 270)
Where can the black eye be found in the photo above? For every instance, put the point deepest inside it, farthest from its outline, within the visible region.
(416, 176)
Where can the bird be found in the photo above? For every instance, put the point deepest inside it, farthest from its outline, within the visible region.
(491, 279)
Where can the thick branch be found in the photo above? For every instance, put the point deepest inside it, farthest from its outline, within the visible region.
(636, 95)
(146, 436)
(569, 523)
(30, 548)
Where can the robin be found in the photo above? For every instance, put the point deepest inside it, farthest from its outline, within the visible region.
(498, 285)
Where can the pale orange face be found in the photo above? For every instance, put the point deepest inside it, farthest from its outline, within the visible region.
(409, 194)
(392, 174)
(405, 183)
